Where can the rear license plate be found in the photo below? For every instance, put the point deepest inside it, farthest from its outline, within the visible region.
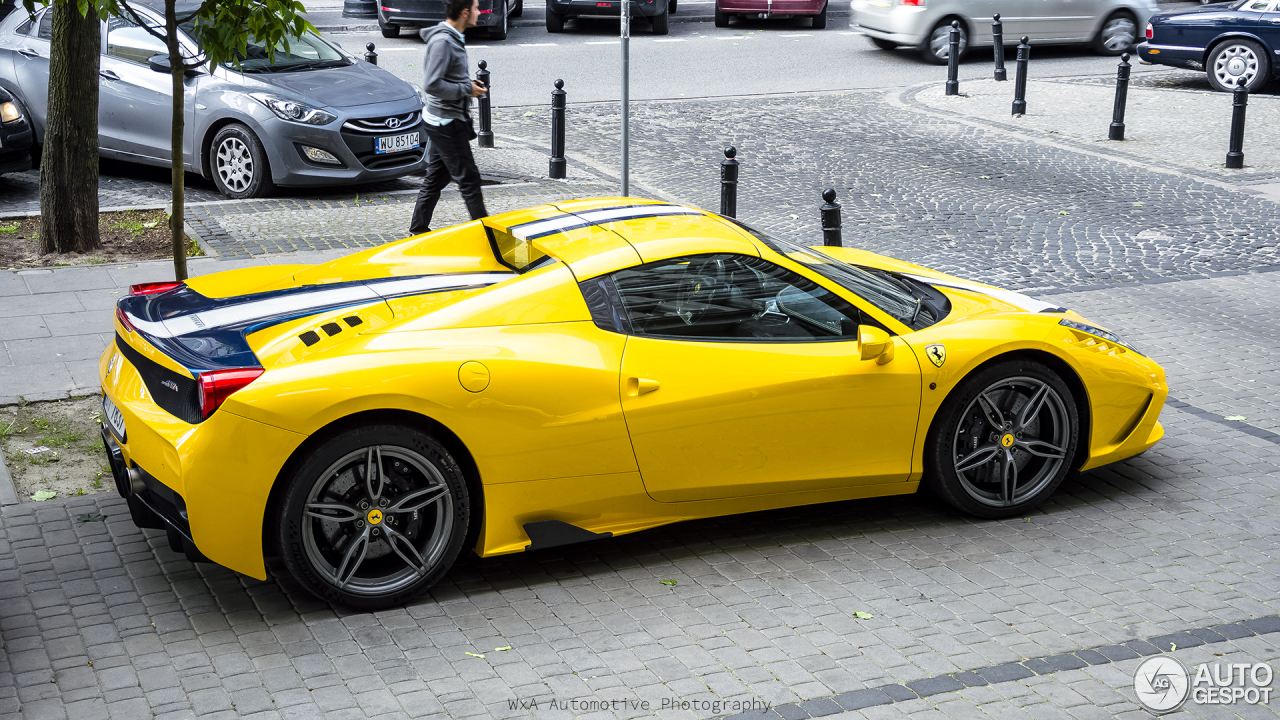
(114, 418)
(396, 143)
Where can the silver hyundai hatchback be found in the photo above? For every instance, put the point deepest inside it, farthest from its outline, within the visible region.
(313, 116)
(1110, 26)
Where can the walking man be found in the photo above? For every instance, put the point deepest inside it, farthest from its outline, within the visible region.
(448, 116)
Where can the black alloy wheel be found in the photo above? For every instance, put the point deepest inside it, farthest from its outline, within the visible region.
(374, 517)
(1003, 441)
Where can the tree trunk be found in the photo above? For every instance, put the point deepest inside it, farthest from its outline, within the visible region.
(177, 68)
(69, 162)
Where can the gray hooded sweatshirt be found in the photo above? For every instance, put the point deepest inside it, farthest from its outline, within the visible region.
(447, 80)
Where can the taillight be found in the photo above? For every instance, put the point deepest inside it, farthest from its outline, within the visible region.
(152, 288)
(124, 320)
(1150, 31)
(913, 3)
(217, 385)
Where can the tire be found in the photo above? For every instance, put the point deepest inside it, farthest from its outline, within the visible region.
(1235, 59)
(662, 22)
(518, 10)
(389, 31)
(1118, 34)
(353, 547)
(820, 20)
(935, 50)
(36, 146)
(239, 164)
(499, 33)
(671, 7)
(970, 447)
(884, 44)
(555, 21)
(722, 18)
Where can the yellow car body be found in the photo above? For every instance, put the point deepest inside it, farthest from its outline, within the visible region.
(558, 419)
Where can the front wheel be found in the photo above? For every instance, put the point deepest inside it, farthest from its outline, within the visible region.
(374, 517)
(1235, 62)
(1003, 441)
(1117, 34)
(240, 164)
(937, 46)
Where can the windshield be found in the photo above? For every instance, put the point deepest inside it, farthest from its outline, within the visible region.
(308, 52)
(912, 303)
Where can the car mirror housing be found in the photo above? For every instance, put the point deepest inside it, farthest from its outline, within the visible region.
(160, 63)
(874, 343)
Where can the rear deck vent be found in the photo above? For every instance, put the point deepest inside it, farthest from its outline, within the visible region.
(309, 338)
(331, 328)
(353, 321)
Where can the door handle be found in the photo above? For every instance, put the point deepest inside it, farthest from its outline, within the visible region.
(108, 74)
(28, 52)
(639, 386)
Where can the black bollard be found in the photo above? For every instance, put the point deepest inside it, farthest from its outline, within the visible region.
(729, 183)
(997, 39)
(484, 137)
(370, 56)
(557, 171)
(831, 220)
(953, 59)
(1020, 85)
(1239, 101)
(1122, 96)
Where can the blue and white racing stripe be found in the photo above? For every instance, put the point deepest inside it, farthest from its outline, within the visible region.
(541, 228)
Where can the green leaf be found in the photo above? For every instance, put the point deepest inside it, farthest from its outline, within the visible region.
(44, 495)
(1137, 204)
(672, 583)
(475, 655)
(1235, 417)
(528, 113)
(862, 615)
(1063, 212)
(502, 649)
(1173, 647)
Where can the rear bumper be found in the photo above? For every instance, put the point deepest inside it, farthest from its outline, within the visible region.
(905, 25)
(772, 7)
(605, 8)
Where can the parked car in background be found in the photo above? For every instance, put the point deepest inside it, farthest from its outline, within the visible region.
(395, 14)
(1232, 42)
(726, 10)
(657, 12)
(15, 136)
(313, 116)
(1110, 26)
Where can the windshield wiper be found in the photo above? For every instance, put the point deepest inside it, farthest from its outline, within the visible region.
(317, 65)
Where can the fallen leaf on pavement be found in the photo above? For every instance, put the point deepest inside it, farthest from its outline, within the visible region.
(44, 495)
(502, 649)
(669, 582)
(1234, 417)
(475, 655)
(862, 615)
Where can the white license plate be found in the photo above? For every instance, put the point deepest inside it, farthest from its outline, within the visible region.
(114, 418)
(396, 143)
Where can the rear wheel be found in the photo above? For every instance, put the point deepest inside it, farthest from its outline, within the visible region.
(1003, 441)
(820, 20)
(722, 18)
(1237, 61)
(499, 32)
(1117, 34)
(661, 22)
(374, 517)
(555, 21)
(388, 30)
(518, 10)
(884, 44)
(937, 46)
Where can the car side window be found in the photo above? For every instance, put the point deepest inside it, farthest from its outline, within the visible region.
(131, 43)
(24, 29)
(1260, 5)
(45, 32)
(721, 297)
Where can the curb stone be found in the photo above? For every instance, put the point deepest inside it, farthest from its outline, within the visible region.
(8, 493)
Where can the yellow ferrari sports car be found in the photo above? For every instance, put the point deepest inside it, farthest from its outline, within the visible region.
(585, 369)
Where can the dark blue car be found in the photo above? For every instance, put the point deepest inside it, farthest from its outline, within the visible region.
(1236, 42)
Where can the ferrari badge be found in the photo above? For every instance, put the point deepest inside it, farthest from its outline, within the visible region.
(937, 353)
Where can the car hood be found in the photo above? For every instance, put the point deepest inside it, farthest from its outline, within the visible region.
(356, 84)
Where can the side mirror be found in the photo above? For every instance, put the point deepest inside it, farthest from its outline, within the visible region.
(874, 343)
(160, 63)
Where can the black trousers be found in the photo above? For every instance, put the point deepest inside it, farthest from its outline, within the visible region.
(448, 158)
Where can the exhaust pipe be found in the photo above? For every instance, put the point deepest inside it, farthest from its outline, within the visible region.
(134, 485)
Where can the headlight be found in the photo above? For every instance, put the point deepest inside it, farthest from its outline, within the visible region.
(1104, 334)
(294, 111)
(9, 112)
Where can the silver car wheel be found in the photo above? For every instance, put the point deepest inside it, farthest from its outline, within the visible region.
(1118, 34)
(1011, 441)
(940, 41)
(377, 520)
(235, 164)
(1235, 64)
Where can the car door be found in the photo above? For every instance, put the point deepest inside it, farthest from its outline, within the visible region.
(1268, 23)
(1062, 20)
(1013, 19)
(31, 69)
(135, 103)
(741, 377)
